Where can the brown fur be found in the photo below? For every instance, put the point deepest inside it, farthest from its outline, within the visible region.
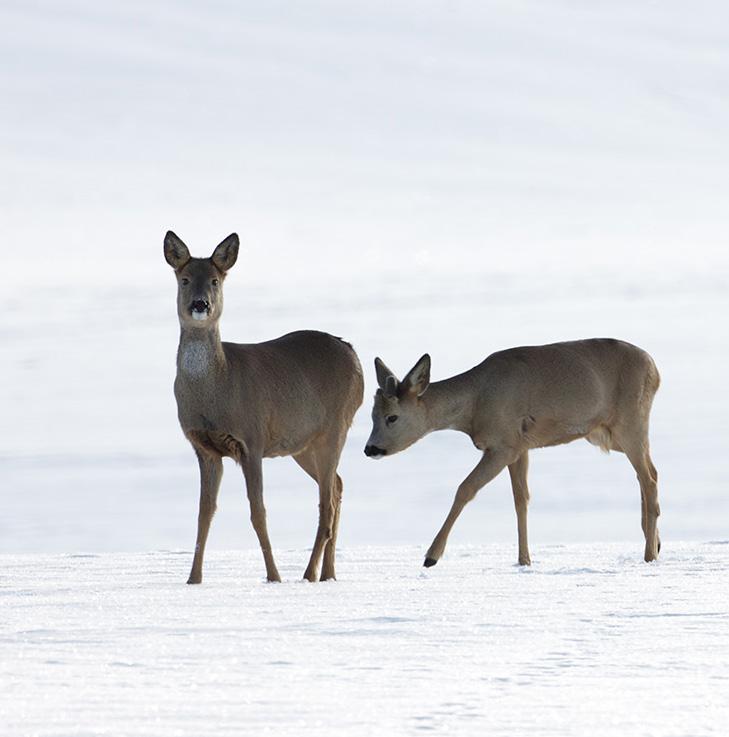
(523, 398)
(292, 396)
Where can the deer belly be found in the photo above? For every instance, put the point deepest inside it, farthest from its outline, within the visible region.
(546, 434)
(284, 447)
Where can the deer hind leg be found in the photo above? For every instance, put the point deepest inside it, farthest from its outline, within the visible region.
(316, 461)
(491, 464)
(211, 473)
(654, 477)
(615, 445)
(518, 473)
(638, 453)
(253, 472)
(328, 566)
(326, 523)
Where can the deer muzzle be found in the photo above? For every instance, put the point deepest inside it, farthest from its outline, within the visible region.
(200, 309)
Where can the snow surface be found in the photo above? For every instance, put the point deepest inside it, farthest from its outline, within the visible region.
(588, 641)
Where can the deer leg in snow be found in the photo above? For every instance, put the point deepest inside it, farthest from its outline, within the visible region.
(518, 473)
(211, 473)
(253, 471)
(491, 464)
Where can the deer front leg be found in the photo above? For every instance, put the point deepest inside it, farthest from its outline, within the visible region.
(518, 472)
(211, 472)
(491, 464)
(253, 472)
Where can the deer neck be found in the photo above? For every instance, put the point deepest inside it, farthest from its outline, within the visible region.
(200, 353)
(449, 405)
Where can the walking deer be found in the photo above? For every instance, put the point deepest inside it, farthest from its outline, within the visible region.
(523, 398)
(292, 396)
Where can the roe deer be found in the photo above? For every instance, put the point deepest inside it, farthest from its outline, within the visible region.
(522, 398)
(293, 396)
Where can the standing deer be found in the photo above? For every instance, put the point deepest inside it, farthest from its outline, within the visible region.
(292, 396)
(524, 398)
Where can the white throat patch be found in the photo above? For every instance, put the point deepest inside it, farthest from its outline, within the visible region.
(195, 358)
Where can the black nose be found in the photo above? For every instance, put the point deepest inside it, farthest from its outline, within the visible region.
(200, 305)
(373, 450)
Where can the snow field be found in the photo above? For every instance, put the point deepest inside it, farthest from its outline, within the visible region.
(590, 640)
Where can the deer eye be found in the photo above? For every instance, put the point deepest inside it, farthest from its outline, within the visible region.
(390, 419)
(185, 280)
(215, 282)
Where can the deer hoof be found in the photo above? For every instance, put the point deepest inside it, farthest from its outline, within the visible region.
(430, 562)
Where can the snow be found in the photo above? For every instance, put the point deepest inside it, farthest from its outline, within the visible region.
(590, 640)
(450, 177)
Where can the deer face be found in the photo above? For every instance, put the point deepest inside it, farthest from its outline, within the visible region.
(200, 280)
(399, 417)
(199, 292)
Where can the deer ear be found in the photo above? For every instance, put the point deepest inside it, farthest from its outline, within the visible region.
(418, 378)
(385, 378)
(391, 386)
(226, 253)
(176, 253)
